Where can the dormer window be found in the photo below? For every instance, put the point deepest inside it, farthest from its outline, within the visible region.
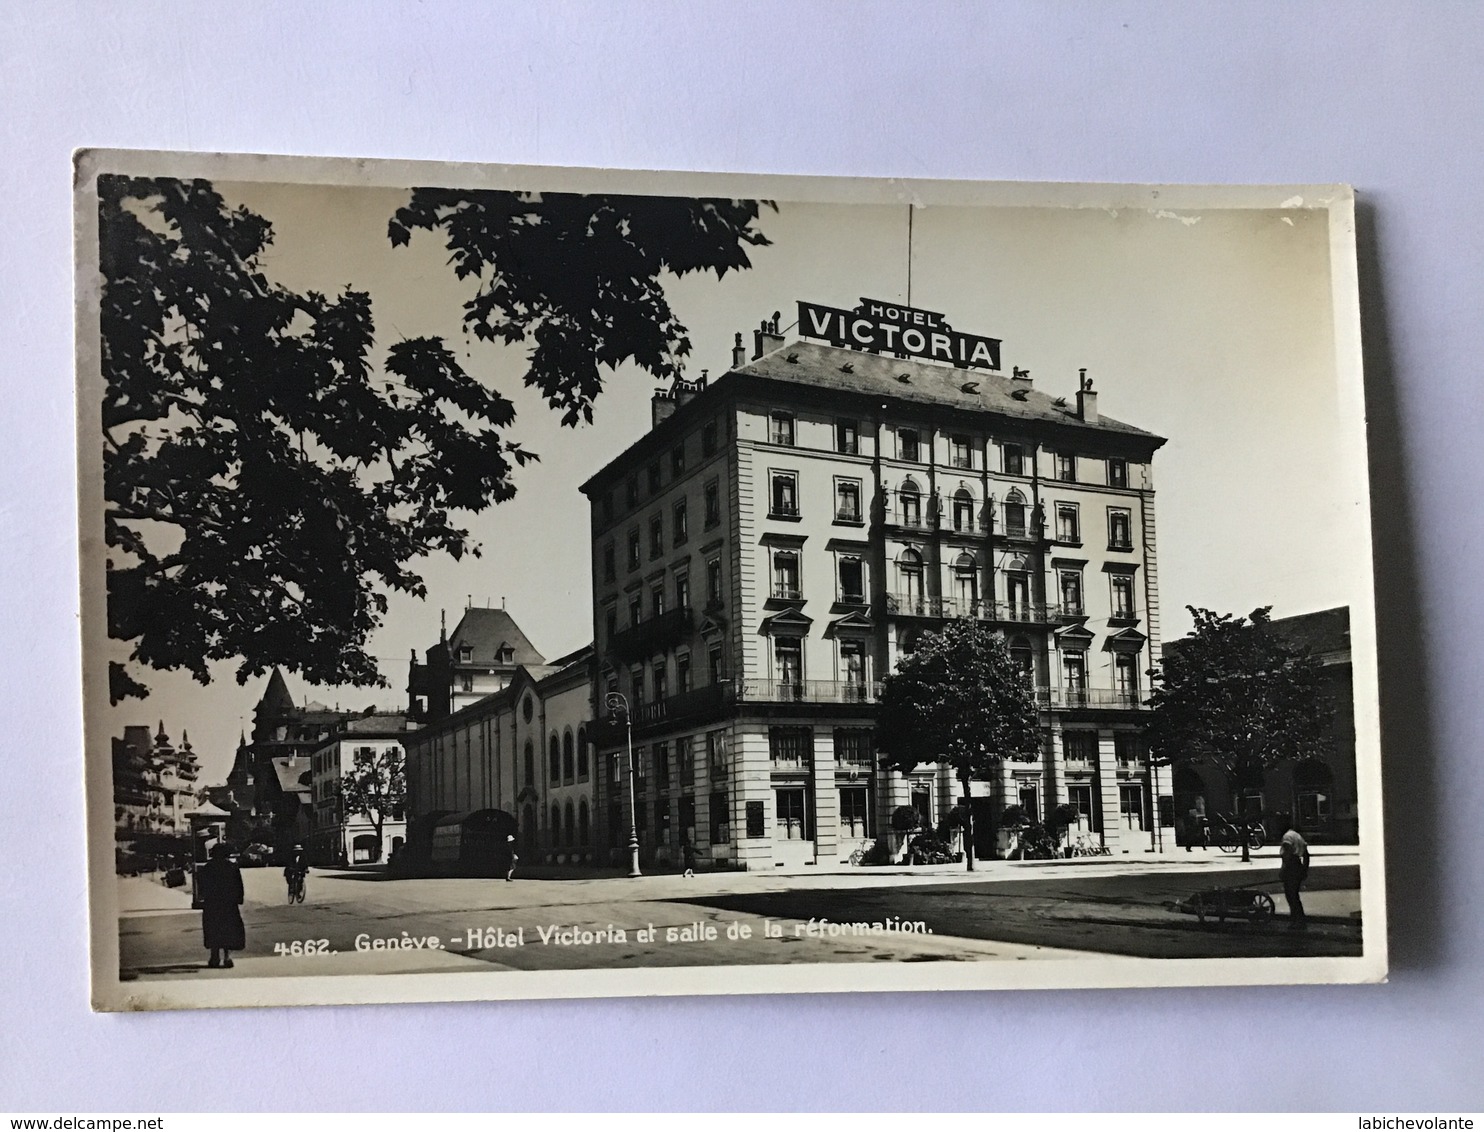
(466, 653)
(507, 654)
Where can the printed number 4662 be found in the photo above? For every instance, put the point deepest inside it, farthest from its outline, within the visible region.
(303, 947)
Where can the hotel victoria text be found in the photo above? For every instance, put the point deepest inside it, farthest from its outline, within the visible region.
(784, 533)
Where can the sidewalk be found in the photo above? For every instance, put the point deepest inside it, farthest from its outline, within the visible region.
(146, 896)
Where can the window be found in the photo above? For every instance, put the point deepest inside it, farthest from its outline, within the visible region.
(792, 820)
(682, 673)
(682, 591)
(1131, 805)
(1024, 659)
(854, 812)
(785, 497)
(1066, 467)
(682, 532)
(1068, 529)
(910, 498)
(1079, 746)
(708, 439)
(466, 683)
(1079, 798)
(847, 438)
(582, 755)
(963, 510)
(713, 664)
(1123, 596)
(654, 478)
(1074, 668)
(721, 826)
(1119, 537)
(1117, 473)
(556, 824)
(1013, 460)
(713, 504)
(1070, 586)
(716, 756)
(791, 747)
(960, 455)
(713, 582)
(788, 666)
(569, 757)
(1029, 796)
(1015, 515)
(1126, 678)
(781, 429)
(634, 550)
(855, 747)
(1128, 750)
(554, 768)
(966, 586)
(852, 579)
(636, 685)
(584, 824)
(530, 763)
(661, 680)
(685, 761)
(909, 570)
(636, 610)
(528, 708)
(657, 600)
(907, 446)
(786, 574)
(853, 670)
(848, 501)
(610, 570)
(921, 800)
(677, 461)
(631, 492)
(662, 766)
(656, 536)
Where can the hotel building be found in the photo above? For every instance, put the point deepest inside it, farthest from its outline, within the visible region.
(783, 534)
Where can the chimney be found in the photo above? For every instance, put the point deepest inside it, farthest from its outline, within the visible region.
(1087, 400)
(662, 406)
(685, 391)
(766, 339)
(739, 352)
(1020, 378)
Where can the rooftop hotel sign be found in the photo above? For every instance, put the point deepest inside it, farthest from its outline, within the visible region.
(906, 332)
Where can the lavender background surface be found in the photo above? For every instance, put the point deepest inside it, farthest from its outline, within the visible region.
(1374, 94)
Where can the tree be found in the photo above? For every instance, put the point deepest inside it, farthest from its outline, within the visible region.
(1237, 696)
(958, 700)
(376, 785)
(580, 274)
(266, 482)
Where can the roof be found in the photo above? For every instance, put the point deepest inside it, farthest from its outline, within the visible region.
(276, 697)
(1325, 633)
(487, 631)
(288, 770)
(929, 384)
(376, 722)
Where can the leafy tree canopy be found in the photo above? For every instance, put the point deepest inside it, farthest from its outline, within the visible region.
(580, 275)
(1235, 694)
(266, 483)
(376, 785)
(958, 699)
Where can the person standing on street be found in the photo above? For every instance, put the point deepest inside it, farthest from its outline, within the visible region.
(510, 848)
(1293, 852)
(220, 888)
(688, 857)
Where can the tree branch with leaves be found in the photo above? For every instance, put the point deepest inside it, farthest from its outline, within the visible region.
(375, 785)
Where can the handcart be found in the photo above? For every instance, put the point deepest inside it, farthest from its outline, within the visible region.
(1224, 904)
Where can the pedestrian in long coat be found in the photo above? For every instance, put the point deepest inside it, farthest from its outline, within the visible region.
(220, 888)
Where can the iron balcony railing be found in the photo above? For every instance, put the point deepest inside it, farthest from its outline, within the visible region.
(654, 635)
(808, 691)
(981, 609)
(1089, 697)
(682, 705)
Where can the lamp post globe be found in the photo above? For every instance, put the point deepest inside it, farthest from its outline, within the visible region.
(617, 704)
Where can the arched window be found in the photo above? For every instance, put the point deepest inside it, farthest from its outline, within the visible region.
(582, 754)
(528, 826)
(966, 586)
(556, 758)
(909, 570)
(568, 757)
(570, 828)
(583, 823)
(1015, 515)
(556, 825)
(963, 510)
(530, 763)
(910, 497)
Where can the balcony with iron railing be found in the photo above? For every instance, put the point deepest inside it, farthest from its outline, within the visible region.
(979, 609)
(913, 511)
(807, 691)
(1120, 698)
(654, 635)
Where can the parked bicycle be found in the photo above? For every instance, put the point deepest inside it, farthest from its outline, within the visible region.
(1230, 832)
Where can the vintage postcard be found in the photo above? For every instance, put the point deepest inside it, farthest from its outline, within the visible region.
(505, 582)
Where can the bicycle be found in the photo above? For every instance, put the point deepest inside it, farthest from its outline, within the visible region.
(1231, 833)
(296, 889)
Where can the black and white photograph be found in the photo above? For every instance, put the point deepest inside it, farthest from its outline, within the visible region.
(514, 582)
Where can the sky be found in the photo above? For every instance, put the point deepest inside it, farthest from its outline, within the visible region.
(1211, 328)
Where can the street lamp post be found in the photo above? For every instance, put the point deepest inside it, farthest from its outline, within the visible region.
(617, 703)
